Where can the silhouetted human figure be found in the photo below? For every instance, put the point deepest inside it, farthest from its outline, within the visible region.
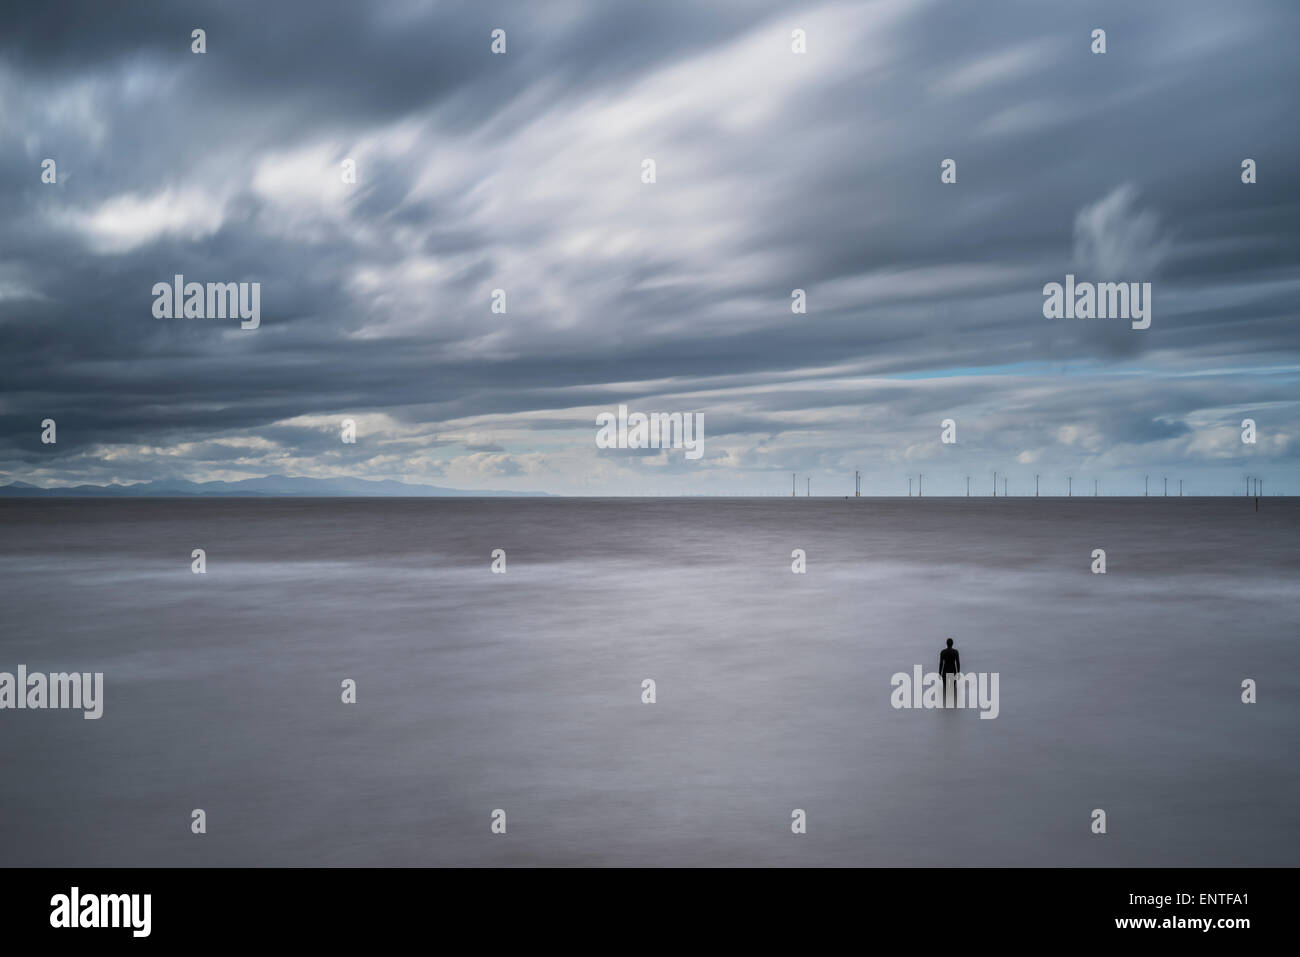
(949, 664)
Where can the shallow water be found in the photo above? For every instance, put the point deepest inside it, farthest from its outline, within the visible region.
(522, 691)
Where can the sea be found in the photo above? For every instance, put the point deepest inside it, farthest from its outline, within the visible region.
(500, 651)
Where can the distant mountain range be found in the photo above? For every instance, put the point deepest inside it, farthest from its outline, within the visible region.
(271, 485)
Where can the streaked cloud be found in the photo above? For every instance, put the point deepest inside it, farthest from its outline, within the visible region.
(522, 173)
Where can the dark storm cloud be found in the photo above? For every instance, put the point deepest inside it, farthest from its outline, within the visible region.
(521, 172)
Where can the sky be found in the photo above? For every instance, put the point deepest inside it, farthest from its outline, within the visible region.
(774, 171)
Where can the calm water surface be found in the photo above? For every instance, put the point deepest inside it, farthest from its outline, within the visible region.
(522, 691)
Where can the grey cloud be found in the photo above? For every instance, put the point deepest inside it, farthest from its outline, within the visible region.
(520, 172)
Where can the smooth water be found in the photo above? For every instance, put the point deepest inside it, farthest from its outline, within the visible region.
(522, 691)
